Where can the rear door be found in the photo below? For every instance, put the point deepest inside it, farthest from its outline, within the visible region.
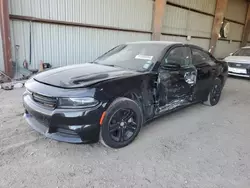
(206, 69)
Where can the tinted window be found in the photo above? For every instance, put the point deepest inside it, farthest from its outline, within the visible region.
(179, 55)
(139, 57)
(199, 57)
(242, 52)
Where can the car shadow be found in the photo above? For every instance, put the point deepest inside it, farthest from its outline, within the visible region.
(238, 78)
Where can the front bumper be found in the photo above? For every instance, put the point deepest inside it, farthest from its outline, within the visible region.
(240, 75)
(239, 69)
(66, 125)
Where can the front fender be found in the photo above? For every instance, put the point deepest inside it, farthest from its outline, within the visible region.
(138, 88)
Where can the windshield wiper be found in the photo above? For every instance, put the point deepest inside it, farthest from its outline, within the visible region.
(110, 65)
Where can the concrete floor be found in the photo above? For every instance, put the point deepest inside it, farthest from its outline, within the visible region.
(199, 146)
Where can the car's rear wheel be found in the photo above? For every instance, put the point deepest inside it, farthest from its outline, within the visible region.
(215, 93)
(121, 124)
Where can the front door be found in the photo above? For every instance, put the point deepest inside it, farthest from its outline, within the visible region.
(177, 77)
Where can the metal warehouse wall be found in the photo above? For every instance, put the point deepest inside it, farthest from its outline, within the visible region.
(202, 5)
(236, 15)
(236, 10)
(119, 13)
(1, 54)
(204, 43)
(182, 19)
(224, 48)
(62, 45)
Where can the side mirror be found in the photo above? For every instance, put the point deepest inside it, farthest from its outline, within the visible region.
(231, 54)
(170, 66)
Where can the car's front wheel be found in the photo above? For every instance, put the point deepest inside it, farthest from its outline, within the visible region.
(121, 124)
(215, 93)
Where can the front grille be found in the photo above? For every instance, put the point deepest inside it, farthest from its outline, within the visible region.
(44, 100)
(238, 65)
(66, 131)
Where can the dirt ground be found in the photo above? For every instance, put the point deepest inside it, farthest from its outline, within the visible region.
(199, 146)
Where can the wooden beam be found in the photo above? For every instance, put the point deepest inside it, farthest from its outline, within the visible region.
(221, 7)
(158, 16)
(5, 32)
(246, 30)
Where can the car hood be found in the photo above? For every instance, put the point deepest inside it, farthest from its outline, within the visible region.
(76, 76)
(238, 59)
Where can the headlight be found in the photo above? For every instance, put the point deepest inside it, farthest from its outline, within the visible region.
(77, 102)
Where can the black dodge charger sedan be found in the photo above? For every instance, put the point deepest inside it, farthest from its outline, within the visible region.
(112, 97)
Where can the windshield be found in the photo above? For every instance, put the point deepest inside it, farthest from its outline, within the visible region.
(242, 52)
(139, 57)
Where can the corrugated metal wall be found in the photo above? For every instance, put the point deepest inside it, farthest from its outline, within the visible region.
(224, 48)
(204, 43)
(202, 5)
(236, 11)
(118, 13)
(185, 22)
(62, 45)
(1, 54)
(236, 31)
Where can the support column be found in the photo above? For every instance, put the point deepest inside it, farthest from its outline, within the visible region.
(221, 7)
(246, 30)
(5, 32)
(158, 16)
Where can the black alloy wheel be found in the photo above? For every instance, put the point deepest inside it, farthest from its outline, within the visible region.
(215, 93)
(122, 123)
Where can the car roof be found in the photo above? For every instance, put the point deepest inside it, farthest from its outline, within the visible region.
(155, 42)
(166, 43)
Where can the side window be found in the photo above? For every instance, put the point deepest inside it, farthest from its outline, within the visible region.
(179, 55)
(199, 57)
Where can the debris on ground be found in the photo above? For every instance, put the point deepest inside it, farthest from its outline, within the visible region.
(18, 85)
(4, 78)
(13, 85)
(7, 86)
(166, 153)
(7, 83)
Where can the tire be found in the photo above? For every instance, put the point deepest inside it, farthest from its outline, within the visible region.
(122, 123)
(214, 93)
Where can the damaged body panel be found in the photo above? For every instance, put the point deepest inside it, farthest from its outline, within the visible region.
(125, 87)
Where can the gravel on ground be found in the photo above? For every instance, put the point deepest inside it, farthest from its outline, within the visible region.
(198, 146)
